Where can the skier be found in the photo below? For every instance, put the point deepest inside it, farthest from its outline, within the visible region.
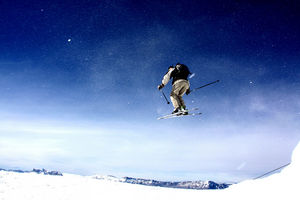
(180, 86)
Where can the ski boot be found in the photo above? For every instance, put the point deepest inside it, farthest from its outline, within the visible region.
(184, 110)
(177, 110)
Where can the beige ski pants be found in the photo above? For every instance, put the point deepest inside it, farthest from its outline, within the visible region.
(179, 88)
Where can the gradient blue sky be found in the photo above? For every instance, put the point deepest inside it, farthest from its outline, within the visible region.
(79, 87)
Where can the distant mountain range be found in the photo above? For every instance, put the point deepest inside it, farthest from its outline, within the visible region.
(198, 185)
(38, 171)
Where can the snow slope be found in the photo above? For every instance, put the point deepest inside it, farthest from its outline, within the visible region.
(32, 186)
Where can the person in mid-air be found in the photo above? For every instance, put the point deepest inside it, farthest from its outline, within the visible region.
(180, 86)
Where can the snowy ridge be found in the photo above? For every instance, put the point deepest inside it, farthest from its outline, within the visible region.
(199, 185)
(37, 186)
(38, 171)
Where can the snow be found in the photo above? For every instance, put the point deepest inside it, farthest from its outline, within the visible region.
(32, 186)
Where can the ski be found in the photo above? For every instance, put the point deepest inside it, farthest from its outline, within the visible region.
(169, 117)
(180, 114)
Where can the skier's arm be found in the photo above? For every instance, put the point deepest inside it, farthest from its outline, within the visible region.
(167, 77)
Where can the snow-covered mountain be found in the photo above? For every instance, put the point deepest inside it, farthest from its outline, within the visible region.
(199, 185)
(38, 171)
(37, 186)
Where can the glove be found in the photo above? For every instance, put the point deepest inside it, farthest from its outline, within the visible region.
(188, 91)
(160, 86)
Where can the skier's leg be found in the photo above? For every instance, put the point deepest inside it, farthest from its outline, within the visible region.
(182, 104)
(184, 86)
(175, 98)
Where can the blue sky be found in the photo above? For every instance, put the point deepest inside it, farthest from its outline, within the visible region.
(79, 87)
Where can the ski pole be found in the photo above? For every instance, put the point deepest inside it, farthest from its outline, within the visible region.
(165, 97)
(205, 85)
